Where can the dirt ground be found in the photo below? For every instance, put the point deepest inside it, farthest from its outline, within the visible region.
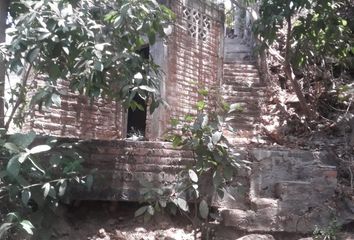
(115, 221)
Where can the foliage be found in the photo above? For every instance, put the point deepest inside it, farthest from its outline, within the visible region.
(318, 36)
(34, 179)
(318, 29)
(214, 165)
(328, 233)
(92, 44)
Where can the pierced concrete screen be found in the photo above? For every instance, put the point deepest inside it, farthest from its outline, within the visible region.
(198, 24)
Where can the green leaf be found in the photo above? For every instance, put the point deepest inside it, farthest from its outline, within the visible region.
(182, 204)
(23, 140)
(54, 71)
(3, 174)
(100, 46)
(140, 211)
(27, 226)
(56, 99)
(55, 160)
(217, 179)
(46, 188)
(189, 118)
(118, 21)
(62, 188)
(177, 140)
(13, 217)
(174, 122)
(216, 137)
(11, 147)
(193, 176)
(44, 35)
(152, 37)
(32, 55)
(151, 210)
(203, 92)
(13, 166)
(147, 88)
(204, 209)
(4, 229)
(98, 66)
(25, 196)
(200, 105)
(39, 149)
(22, 157)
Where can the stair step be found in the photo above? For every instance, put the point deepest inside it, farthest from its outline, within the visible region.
(240, 70)
(241, 76)
(244, 93)
(242, 129)
(244, 84)
(233, 62)
(237, 68)
(242, 98)
(245, 106)
(246, 112)
(228, 87)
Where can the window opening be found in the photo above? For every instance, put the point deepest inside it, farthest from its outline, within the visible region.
(136, 125)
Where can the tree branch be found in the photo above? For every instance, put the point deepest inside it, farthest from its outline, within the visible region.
(291, 76)
(20, 97)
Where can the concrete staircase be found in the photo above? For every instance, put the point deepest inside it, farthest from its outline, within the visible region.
(285, 186)
(243, 90)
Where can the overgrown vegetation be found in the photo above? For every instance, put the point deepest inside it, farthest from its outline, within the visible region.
(215, 164)
(312, 41)
(35, 176)
(91, 44)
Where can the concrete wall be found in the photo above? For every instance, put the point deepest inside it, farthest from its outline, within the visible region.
(290, 190)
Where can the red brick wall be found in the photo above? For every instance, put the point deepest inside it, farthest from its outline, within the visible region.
(194, 58)
(123, 165)
(193, 63)
(78, 117)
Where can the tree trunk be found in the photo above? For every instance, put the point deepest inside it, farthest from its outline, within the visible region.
(291, 76)
(4, 4)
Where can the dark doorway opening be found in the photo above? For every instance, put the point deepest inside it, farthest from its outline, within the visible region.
(137, 119)
(136, 127)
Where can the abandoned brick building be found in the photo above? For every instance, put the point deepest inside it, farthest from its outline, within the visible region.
(195, 54)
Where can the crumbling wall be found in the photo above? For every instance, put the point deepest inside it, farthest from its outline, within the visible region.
(290, 191)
